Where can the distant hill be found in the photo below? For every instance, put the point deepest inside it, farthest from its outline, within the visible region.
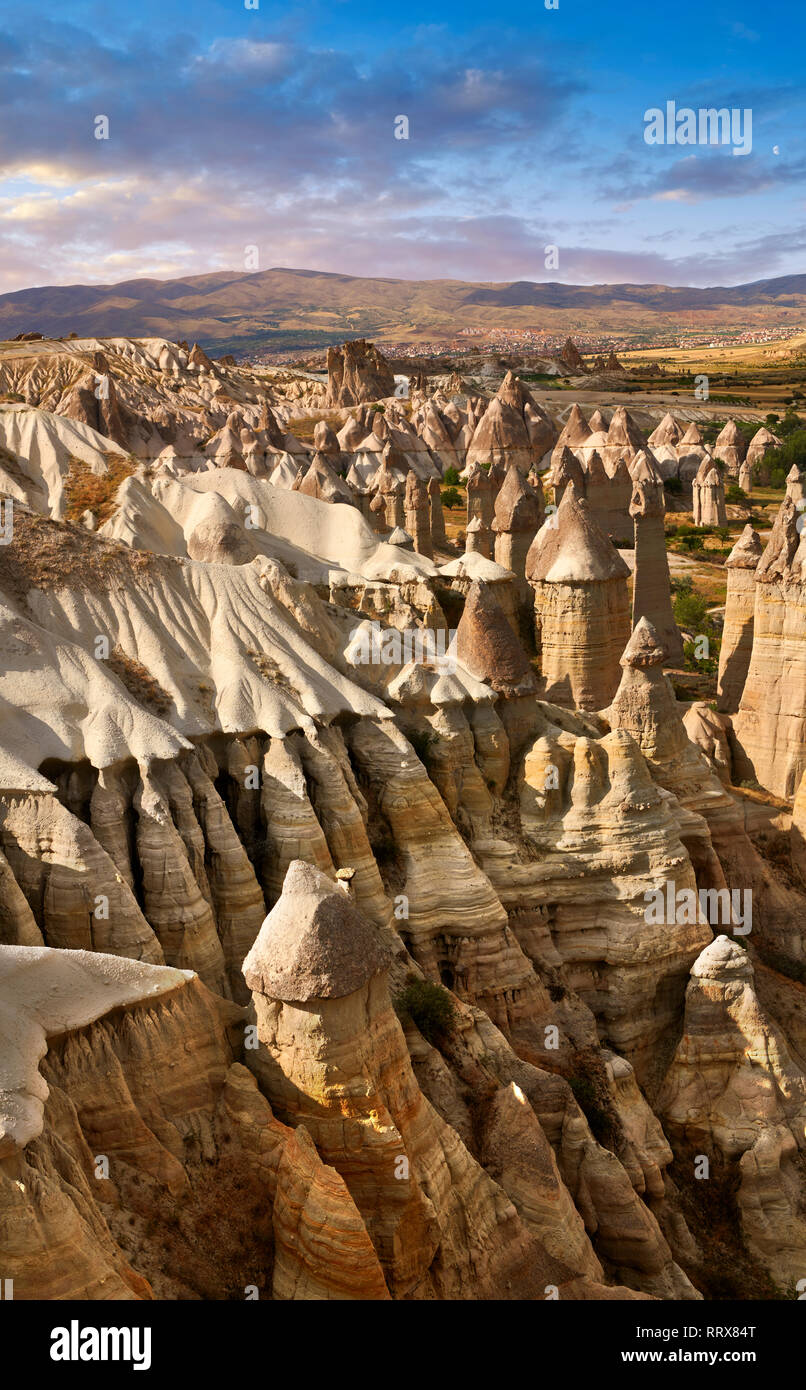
(308, 308)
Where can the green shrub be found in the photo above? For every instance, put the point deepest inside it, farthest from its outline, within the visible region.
(451, 476)
(673, 486)
(427, 1005)
(734, 493)
(690, 610)
(451, 498)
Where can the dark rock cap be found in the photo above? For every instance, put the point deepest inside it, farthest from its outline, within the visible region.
(315, 943)
(488, 648)
(645, 648)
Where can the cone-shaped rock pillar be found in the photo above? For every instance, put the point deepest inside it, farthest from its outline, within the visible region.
(581, 606)
(519, 514)
(737, 631)
(652, 591)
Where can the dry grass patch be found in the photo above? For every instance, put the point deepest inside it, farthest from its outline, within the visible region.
(139, 681)
(303, 426)
(52, 555)
(95, 492)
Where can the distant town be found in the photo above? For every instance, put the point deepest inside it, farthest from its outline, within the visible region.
(471, 341)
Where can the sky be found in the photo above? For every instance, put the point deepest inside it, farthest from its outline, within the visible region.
(245, 138)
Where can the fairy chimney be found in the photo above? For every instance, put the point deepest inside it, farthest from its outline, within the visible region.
(762, 443)
(518, 515)
(737, 630)
(479, 538)
(417, 508)
(731, 448)
(581, 606)
(479, 495)
(709, 496)
(488, 648)
(794, 485)
(439, 536)
(652, 592)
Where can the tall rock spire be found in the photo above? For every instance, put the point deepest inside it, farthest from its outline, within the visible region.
(418, 515)
(770, 724)
(438, 533)
(519, 513)
(581, 606)
(652, 592)
(731, 447)
(737, 631)
(709, 496)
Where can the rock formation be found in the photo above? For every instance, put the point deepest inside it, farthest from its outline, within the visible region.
(479, 538)
(518, 515)
(581, 606)
(734, 1092)
(480, 498)
(737, 631)
(417, 511)
(572, 357)
(731, 447)
(488, 648)
(486, 1030)
(334, 1058)
(762, 443)
(357, 372)
(652, 594)
(794, 485)
(709, 496)
(770, 723)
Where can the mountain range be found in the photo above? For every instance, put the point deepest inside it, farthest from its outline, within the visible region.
(227, 311)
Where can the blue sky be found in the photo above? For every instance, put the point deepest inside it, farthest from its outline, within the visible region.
(233, 128)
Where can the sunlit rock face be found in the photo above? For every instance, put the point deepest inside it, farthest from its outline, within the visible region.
(770, 725)
(652, 597)
(734, 1091)
(581, 606)
(737, 631)
(475, 1046)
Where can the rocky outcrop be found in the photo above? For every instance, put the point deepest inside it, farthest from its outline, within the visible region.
(77, 896)
(737, 631)
(438, 534)
(770, 725)
(581, 606)
(575, 431)
(501, 436)
(565, 468)
(357, 372)
(572, 357)
(760, 445)
(417, 511)
(321, 481)
(479, 538)
(519, 513)
(127, 1127)
(333, 1058)
(731, 447)
(794, 485)
(709, 496)
(734, 1091)
(667, 432)
(652, 594)
(489, 649)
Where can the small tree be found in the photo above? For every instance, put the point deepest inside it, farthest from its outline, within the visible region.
(427, 1005)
